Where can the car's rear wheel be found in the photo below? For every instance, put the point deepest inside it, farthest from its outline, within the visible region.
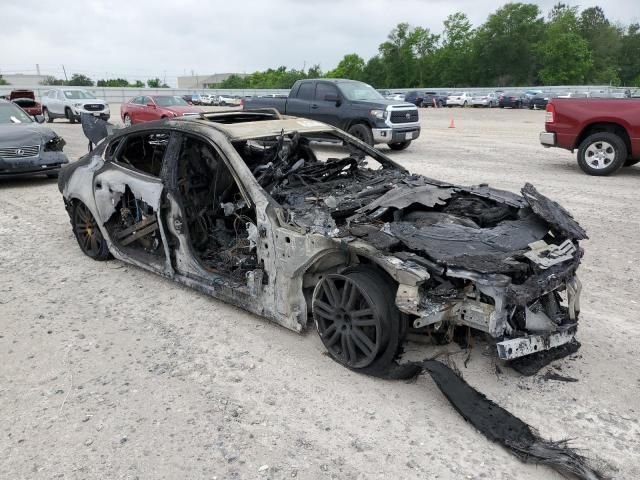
(47, 117)
(70, 116)
(127, 120)
(362, 132)
(88, 234)
(399, 145)
(356, 318)
(602, 153)
(464, 104)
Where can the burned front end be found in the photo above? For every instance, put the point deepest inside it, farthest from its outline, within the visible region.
(497, 262)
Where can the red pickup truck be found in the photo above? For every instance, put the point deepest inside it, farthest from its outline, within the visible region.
(606, 131)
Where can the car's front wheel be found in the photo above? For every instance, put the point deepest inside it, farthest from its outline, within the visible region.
(362, 132)
(399, 145)
(87, 233)
(356, 318)
(602, 153)
(127, 120)
(47, 116)
(70, 116)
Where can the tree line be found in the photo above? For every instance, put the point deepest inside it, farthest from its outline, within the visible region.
(517, 45)
(81, 80)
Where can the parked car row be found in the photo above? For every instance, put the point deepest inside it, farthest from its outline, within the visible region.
(213, 100)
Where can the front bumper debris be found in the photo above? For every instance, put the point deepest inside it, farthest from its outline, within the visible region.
(520, 347)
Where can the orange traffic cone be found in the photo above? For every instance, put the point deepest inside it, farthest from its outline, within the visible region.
(452, 125)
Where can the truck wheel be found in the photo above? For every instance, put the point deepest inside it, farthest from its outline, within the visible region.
(399, 145)
(70, 116)
(356, 318)
(362, 132)
(602, 153)
(127, 120)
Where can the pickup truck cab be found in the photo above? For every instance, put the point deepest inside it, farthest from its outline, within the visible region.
(605, 131)
(355, 107)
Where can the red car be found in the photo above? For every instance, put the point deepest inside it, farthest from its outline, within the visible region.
(605, 131)
(26, 100)
(155, 107)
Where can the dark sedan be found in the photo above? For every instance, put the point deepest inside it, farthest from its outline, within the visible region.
(27, 148)
(539, 101)
(513, 100)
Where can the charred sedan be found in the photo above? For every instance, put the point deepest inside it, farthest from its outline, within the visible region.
(259, 210)
(27, 148)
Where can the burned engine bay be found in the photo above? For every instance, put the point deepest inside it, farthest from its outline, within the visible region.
(497, 262)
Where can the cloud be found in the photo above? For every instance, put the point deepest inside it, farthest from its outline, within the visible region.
(144, 38)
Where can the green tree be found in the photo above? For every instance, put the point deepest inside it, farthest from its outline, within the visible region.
(453, 60)
(314, 72)
(80, 80)
(138, 84)
(374, 72)
(399, 57)
(605, 41)
(629, 56)
(351, 67)
(51, 80)
(156, 83)
(504, 45)
(3, 81)
(113, 82)
(564, 54)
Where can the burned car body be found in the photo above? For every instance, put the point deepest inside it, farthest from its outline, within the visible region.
(26, 147)
(301, 223)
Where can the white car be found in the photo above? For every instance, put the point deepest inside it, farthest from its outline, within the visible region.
(462, 99)
(224, 100)
(206, 99)
(489, 100)
(69, 103)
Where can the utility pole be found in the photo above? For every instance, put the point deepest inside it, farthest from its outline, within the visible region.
(38, 68)
(65, 74)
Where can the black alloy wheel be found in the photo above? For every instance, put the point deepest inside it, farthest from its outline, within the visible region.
(88, 234)
(350, 312)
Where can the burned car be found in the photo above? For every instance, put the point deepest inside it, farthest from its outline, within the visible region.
(299, 222)
(26, 147)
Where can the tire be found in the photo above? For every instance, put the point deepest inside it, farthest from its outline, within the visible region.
(88, 234)
(362, 132)
(127, 120)
(399, 145)
(47, 117)
(70, 116)
(357, 320)
(464, 104)
(440, 104)
(631, 162)
(602, 153)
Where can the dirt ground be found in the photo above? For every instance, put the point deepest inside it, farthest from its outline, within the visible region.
(110, 372)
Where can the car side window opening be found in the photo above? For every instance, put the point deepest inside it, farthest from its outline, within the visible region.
(221, 226)
(144, 152)
(324, 89)
(305, 91)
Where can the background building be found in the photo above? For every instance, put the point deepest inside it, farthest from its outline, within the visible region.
(204, 81)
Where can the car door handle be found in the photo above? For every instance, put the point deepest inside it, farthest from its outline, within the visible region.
(314, 105)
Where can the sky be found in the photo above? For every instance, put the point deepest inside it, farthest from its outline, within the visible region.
(140, 39)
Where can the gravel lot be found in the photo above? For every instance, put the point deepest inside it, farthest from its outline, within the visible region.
(110, 372)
